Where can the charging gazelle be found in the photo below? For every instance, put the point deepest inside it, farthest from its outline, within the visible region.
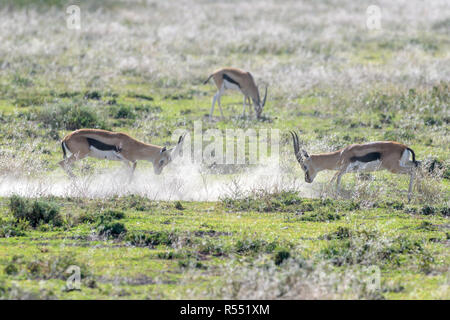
(236, 79)
(102, 144)
(373, 156)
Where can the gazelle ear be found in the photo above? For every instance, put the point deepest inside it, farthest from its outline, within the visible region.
(163, 149)
(305, 154)
(177, 151)
(181, 138)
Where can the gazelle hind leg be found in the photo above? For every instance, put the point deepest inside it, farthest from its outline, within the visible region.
(338, 182)
(213, 103)
(411, 181)
(243, 106)
(220, 105)
(407, 168)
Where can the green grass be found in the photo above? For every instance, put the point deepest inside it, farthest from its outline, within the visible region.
(335, 82)
(205, 237)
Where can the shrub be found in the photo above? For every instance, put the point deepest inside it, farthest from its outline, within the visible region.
(151, 239)
(124, 112)
(263, 201)
(212, 247)
(71, 117)
(281, 255)
(340, 233)
(254, 245)
(113, 214)
(428, 210)
(49, 267)
(320, 215)
(368, 248)
(169, 255)
(135, 202)
(111, 228)
(95, 95)
(188, 263)
(35, 211)
(13, 229)
(11, 269)
(179, 206)
(89, 217)
(426, 225)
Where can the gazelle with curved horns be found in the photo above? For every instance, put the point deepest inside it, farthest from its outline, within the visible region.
(237, 79)
(367, 157)
(102, 144)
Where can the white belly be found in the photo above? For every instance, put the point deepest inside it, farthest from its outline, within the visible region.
(358, 166)
(102, 154)
(230, 86)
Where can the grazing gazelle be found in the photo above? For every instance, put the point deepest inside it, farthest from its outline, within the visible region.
(373, 156)
(236, 79)
(102, 144)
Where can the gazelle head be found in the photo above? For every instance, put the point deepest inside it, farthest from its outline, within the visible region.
(259, 105)
(166, 156)
(304, 159)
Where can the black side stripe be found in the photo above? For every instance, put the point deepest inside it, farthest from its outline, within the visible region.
(367, 158)
(226, 77)
(102, 146)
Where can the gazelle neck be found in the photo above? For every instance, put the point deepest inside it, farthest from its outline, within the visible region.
(326, 161)
(147, 151)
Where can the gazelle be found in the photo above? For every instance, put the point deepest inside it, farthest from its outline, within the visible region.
(236, 79)
(102, 144)
(373, 156)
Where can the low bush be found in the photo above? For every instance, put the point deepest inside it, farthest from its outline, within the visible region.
(141, 239)
(49, 267)
(71, 117)
(369, 248)
(123, 112)
(262, 201)
(281, 254)
(246, 245)
(35, 212)
(320, 215)
(340, 233)
(13, 228)
(107, 226)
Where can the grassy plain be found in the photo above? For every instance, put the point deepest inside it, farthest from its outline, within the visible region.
(138, 67)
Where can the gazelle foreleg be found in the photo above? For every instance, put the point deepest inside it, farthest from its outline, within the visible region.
(66, 164)
(342, 169)
(130, 169)
(213, 103)
(133, 167)
(249, 103)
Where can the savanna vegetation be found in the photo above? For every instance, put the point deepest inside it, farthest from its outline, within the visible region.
(223, 231)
